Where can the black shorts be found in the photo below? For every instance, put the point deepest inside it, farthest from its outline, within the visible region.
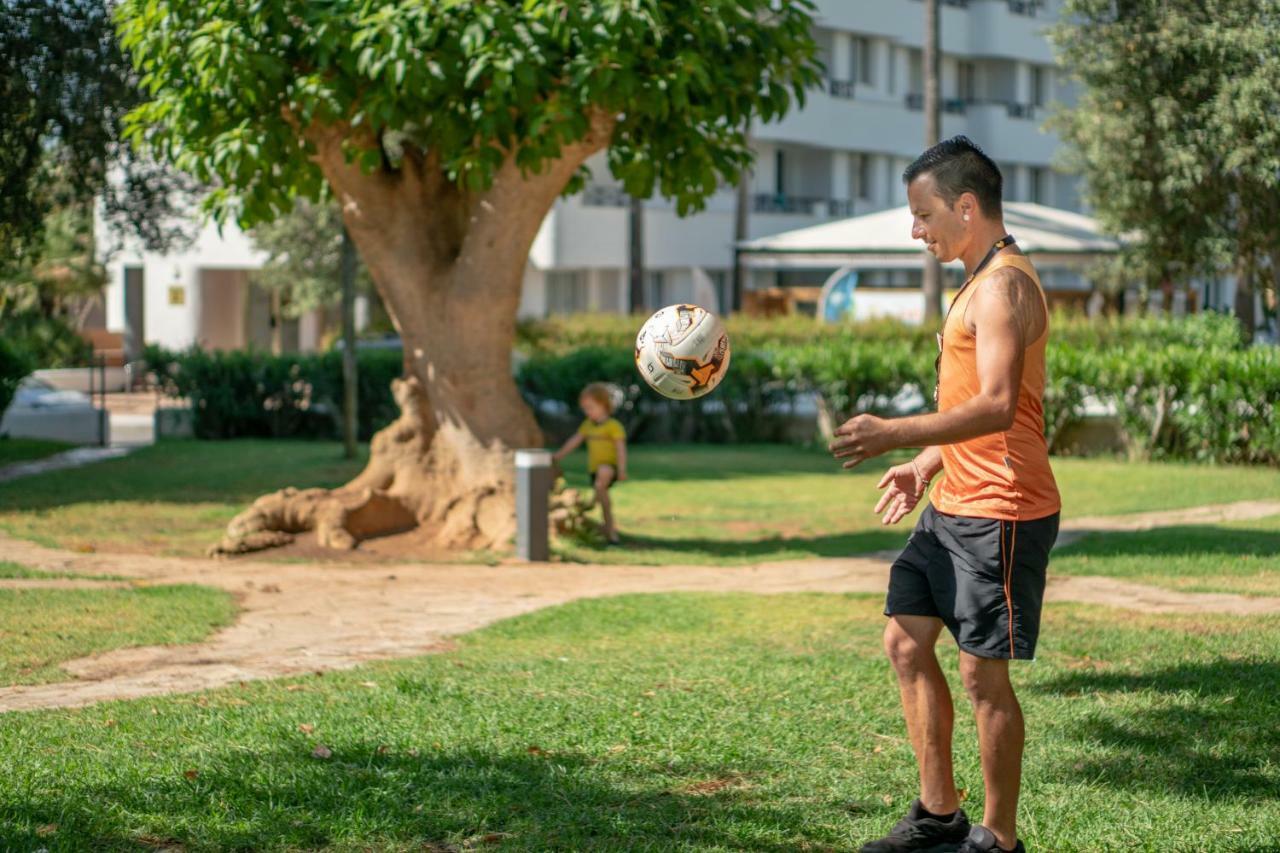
(984, 578)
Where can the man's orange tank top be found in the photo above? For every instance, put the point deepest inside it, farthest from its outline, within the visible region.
(1004, 475)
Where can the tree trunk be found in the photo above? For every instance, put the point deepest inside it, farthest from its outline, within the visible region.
(449, 265)
(350, 388)
(741, 219)
(635, 256)
(1244, 297)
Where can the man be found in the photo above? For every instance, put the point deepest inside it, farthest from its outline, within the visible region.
(976, 561)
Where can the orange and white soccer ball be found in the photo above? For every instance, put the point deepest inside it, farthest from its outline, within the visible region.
(682, 351)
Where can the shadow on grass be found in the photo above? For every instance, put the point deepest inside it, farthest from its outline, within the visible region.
(442, 801)
(1188, 540)
(1212, 732)
(834, 545)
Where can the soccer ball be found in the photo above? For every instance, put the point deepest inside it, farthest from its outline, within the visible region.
(682, 352)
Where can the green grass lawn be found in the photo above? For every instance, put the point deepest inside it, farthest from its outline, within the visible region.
(1240, 557)
(42, 628)
(175, 497)
(25, 449)
(674, 722)
(15, 570)
(714, 504)
(684, 503)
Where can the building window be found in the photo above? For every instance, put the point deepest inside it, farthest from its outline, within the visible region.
(567, 292)
(779, 173)
(965, 85)
(862, 177)
(1040, 82)
(862, 61)
(655, 288)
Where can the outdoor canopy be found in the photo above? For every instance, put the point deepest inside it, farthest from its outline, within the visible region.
(883, 241)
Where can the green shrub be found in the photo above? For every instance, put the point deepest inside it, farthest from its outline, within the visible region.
(246, 393)
(14, 367)
(47, 341)
(1181, 389)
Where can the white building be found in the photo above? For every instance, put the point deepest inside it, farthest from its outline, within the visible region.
(841, 155)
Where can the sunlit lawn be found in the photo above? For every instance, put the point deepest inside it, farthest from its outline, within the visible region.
(683, 504)
(658, 723)
(42, 628)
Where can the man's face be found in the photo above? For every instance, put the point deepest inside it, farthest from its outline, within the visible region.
(941, 228)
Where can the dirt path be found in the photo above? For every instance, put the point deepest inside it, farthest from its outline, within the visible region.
(297, 617)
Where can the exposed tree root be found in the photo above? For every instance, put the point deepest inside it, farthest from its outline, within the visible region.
(411, 463)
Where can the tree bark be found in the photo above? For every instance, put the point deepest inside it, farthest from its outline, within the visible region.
(448, 265)
(1244, 297)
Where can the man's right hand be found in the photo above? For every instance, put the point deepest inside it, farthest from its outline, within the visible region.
(904, 488)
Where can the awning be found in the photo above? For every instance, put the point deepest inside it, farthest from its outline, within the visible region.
(883, 241)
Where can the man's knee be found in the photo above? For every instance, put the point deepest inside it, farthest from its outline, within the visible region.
(907, 652)
(986, 680)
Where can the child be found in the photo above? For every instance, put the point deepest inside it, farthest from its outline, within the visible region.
(606, 448)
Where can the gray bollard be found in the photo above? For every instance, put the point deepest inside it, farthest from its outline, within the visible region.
(533, 489)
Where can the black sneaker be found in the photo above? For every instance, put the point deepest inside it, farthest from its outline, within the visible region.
(917, 833)
(983, 840)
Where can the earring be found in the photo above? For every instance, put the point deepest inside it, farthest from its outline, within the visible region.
(966, 217)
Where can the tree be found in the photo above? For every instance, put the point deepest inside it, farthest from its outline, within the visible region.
(446, 130)
(303, 271)
(65, 86)
(1177, 134)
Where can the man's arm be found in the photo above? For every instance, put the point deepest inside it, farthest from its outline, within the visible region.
(999, 312)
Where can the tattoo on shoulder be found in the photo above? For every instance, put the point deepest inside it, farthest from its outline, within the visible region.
(1015, 289)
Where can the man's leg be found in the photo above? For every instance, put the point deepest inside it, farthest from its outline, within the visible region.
(926, 704)
(1001, 735)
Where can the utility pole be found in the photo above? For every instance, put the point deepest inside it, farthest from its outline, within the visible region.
(932, 136)
(741, 211)
(635, 255)
(349, 397)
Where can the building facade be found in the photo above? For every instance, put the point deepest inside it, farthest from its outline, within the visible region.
(840, 155)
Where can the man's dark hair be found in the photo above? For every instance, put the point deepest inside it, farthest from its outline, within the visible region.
(959, 166)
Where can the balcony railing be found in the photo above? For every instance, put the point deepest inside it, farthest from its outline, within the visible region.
(802, 204)
(840, 88)
(1014, 109)
(1029, 8)
(953, 106)
(602, 195)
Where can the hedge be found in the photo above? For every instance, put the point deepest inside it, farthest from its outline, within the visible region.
(248, 393)
(14, 367)
(1181, 389)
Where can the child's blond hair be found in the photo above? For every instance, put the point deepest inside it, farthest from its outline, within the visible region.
(599, 392)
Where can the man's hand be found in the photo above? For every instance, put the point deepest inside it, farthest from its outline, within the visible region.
(905, 488)
(622, 474)
(860, 438)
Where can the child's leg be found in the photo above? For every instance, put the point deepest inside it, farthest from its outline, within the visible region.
(605, 475)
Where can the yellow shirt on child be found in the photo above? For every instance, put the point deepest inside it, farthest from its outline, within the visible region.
(601, 442)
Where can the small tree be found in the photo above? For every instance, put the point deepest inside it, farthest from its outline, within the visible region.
(1176, 131)
(303, 271)
(446, 130)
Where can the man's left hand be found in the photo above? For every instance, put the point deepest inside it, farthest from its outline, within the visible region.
(860, 438)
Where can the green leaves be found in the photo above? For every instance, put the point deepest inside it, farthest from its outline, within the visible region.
(474, 83)
(1176, 128)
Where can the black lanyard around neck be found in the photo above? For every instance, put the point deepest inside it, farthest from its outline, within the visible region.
(1003, 242)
